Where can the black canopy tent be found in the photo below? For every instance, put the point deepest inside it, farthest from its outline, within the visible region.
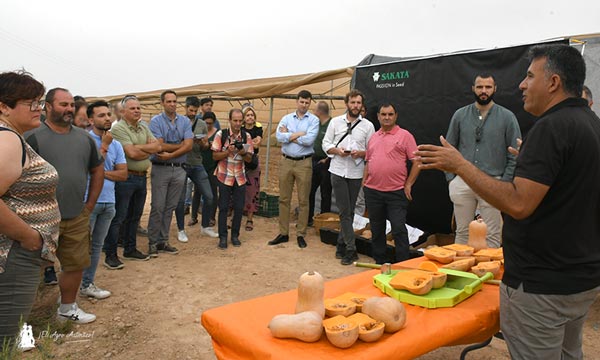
(427, 91)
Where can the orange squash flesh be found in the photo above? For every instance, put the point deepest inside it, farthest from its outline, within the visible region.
(415, 281)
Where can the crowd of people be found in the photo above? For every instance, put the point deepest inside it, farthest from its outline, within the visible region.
(75, 184)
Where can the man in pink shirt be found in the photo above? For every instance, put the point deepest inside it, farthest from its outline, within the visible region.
(387, 189)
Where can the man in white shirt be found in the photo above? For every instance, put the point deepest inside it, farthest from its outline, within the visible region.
(345, 142)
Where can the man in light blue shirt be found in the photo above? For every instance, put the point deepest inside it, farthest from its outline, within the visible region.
(115, 169)
(174, 133)
(296, 133)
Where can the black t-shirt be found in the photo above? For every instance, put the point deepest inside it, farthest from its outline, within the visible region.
(556, 250)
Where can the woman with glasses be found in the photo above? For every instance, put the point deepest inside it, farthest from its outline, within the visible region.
(29, 215)
(255, 130)
(210, 165)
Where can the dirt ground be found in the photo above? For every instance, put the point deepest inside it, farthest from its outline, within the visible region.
(155, 308)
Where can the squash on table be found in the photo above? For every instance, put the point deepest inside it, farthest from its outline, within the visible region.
(341, 331)
(487, 266)
(306, 326)
(477, 234)
(369, 329)
(492, 253)
(439, 254)
(461, 265)
(461, 250)
(311, 288)
(438, 278)
(416, 281)
(387, 310)
(357, 299)
(336, 306)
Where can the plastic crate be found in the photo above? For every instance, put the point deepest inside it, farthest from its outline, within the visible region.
(268, 205)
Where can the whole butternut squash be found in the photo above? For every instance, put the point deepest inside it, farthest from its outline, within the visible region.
(306, 326)
(387, 310)
(311, 288)
(477, 234)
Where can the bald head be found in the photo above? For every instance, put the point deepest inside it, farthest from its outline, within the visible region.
(322, 110)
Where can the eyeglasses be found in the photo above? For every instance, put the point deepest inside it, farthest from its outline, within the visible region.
(349, 131)
(35, 104)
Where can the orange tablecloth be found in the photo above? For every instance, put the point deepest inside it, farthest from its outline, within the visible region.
(239, 330)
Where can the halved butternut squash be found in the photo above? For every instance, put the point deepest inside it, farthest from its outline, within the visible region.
(461, 250)
(439, 254)
(417, 282)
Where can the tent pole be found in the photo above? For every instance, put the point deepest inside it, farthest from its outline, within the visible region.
(266, 176)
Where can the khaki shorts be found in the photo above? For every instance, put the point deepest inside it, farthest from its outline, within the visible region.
(74, 242)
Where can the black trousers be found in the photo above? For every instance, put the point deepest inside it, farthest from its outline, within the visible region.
(320, 178)
(390, 205)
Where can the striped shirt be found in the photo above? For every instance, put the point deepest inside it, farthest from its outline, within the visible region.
(33, 198)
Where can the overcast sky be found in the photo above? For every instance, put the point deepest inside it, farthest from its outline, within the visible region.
(114, 47)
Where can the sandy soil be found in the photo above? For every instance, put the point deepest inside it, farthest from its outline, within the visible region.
(156, 305)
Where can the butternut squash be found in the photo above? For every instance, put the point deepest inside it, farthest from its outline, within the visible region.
(461, 250)
(306, 326)
(461, 265)
(369, 329)
(487, 266)
(311, 288)
(492, 253)
(438, 278)
(477, 234)
(439, 254)
(341, 331)
(387, 310)
(335, 307)
(416, 281)
(357, 299)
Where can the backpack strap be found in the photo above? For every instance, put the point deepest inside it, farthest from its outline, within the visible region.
(346, 134)
(24, 156)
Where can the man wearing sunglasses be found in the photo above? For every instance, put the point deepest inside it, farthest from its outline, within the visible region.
(482, 132)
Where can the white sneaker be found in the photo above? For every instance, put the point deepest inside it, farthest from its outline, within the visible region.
(182, 236)
(94, 291)
(209, 232)
(76, 315)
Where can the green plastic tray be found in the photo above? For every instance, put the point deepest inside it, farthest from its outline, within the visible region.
(459, 286)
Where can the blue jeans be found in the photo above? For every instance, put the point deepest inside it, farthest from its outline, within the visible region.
(130, 200)
(100, 220)
(210, 210)
(235, 195)
(201, 187)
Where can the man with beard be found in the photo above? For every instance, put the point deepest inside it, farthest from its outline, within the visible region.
(115, 169)
(482, 132)
(345, 142)
(551, 248)
(75, 156)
